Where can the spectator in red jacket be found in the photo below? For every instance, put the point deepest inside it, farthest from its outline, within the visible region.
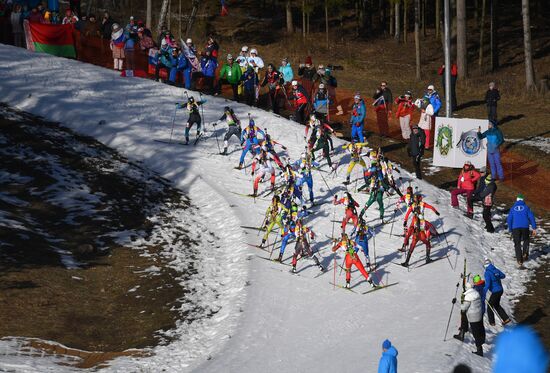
(454, 77)
(466, 184)
(404, 112)
(301, 100)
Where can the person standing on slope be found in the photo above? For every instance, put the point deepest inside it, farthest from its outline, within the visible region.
(362, 236)
(383, 100)
(494, 140)
(249, 137)
(416, 149)
(485, 193)
(301, 100)
(263, 163)
(230, 73)
(273, 80)
(493, 277)
(358, 115)
(388, 361)
(351, 258)
(404, 112)
(351, 210)
(519, 219)
(302, 247)
(355, 158)
(194, 116)
(233, 127)
(273, 215)
(420, 232)
(471, 308)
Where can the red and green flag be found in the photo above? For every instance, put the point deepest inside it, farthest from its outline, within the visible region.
(52, 39)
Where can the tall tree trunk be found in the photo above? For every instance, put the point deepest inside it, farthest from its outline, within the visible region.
(423, 18)
(529, 68)
(437, 18)
(392, 23)
(405, 16)
(169, 14)
(289, 23)
(303, 19)
(481, 32)
(326, 23)
(397, 20)
(162, 16)
(461, 43)
(417, 36)
(149, 14)
(476, 11)
(494, 34)
(382, 15)
(89, 7)
(179, 19)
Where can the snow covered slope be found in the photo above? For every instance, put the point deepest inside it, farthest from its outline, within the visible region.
(280, 321)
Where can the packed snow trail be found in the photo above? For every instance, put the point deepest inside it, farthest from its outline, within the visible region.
(280, 321)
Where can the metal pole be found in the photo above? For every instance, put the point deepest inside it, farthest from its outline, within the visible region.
(447, 21)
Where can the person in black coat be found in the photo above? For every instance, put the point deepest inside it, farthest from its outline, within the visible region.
(415, 149)
(491, 98)
(485, 193)
(106, 26)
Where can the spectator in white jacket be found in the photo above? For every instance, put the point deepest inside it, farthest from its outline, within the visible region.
(472, 307)
(255, 61)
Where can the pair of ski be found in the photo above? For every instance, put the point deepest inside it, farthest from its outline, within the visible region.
(376, 288)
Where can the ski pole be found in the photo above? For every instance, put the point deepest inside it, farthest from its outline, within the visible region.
(325, 181)
(173, 123)
(393, 221)
(334, 280)
(217, 141)
(495, 312)
(273, 247)
(374, 249)
(452, 308)
(202, 112)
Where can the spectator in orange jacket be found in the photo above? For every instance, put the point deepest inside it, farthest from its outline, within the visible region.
(466, 184)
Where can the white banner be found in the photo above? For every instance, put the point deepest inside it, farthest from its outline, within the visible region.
(456, 141)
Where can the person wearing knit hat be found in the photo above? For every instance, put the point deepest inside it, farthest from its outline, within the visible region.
(230, 74)
(308, 73)
(493, 277)
(485, 193)
(388, 361)
(520, 218)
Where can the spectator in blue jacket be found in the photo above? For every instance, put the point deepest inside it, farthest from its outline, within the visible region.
(493, 277)
(388, 361)
(520, 350)
(519, 219)
(494, 141)
(179, 64)
(358, 113)
(434, 99)
(250, 79)
(209, 66)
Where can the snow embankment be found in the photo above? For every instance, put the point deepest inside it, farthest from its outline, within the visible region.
(285, 322)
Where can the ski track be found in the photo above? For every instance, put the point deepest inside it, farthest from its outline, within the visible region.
(267, 320)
